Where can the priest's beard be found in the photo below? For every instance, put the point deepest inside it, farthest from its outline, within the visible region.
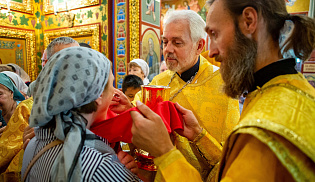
(237, 67)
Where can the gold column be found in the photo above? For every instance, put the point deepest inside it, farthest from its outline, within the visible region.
(134, 28)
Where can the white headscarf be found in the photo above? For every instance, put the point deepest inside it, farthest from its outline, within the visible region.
(19, 71)
(145, 69)
(19, 83)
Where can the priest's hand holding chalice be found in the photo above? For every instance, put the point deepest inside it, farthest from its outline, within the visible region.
(151, 96)
(155, 121)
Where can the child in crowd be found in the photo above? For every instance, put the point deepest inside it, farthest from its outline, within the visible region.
(131, 85)
(163, 67)
(140, 68)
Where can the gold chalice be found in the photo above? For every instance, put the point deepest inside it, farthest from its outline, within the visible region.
(151, 96)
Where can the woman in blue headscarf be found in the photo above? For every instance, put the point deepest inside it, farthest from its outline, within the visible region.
(15, 116)
(9, 97)
(10, 143)
(74, 88)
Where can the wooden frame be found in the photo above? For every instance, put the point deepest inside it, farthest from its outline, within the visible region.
(88, 31)
(71, 4)
(25, 6)
(29, 37)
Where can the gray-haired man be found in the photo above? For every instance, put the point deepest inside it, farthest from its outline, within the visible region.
(196, 85)
(59, 44)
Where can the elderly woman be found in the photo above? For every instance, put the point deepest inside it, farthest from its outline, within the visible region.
(139, 68)
(17, 80)
(11, 138)
(73, 90)
(9, 97)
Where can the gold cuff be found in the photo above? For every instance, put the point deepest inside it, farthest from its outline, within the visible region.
(199, 136)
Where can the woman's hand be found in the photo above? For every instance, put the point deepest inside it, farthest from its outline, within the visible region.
(120, 102)
(128, 161)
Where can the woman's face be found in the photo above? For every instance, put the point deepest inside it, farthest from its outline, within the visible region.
(133, 70)
(109, 90)
(105, 100)
(6, 99)
(110, 86)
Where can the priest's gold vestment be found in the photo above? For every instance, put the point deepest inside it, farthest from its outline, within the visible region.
(274, 140)
(216, 113)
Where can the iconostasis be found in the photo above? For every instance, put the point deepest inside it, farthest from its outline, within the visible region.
(111, 27)
(27, 27)
(121, 29)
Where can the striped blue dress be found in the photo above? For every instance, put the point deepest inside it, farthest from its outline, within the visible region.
(96, 166)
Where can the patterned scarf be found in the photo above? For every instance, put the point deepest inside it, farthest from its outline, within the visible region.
(73, 77)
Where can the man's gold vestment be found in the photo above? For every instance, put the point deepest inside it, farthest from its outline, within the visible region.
(274, 140)
(216, 113)
(279, 119)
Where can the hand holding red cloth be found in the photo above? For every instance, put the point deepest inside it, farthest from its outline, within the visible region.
(119, 128)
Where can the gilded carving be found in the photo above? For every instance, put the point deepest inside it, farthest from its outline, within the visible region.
(29, 37)
(69, 18)
(26, 6)
(134, 28)
(72, 4)
(80, 31)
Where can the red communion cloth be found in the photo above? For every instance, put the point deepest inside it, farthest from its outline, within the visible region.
(118, 128)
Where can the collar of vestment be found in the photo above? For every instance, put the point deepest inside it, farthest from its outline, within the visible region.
(185, 76)
(281, 67)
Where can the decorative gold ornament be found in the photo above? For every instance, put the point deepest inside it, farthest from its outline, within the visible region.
(134, 28)
(72, 4)
(29, 37)
(79, 31)
(69, 18)
(26, 6)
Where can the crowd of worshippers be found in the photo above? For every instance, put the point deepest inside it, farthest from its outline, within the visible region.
(48, 125)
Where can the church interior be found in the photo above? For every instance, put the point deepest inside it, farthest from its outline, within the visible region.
(121, 29)
(207, 103)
